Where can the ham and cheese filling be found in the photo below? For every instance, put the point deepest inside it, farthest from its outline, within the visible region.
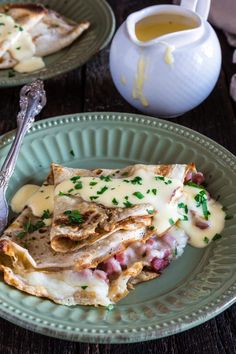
(115, 231)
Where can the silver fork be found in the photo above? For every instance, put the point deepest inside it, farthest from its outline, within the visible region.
(32, 100)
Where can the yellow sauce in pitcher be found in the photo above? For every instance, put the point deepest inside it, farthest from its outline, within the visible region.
(157, 25)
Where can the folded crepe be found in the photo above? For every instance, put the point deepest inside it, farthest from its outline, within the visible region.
(30, 264)
(99, 221)
(33, 30)
(97, 272)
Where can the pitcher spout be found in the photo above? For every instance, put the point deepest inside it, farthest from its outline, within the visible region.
(177, 26)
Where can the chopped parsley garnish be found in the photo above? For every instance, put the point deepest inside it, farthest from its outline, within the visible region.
(29, 227)
(171, 221)
(183, 206)
(105, 178)
(93, 183)
(46, 214)
(228, 217)
(136, 180)
(201, 199)
(126, 180)
(151, 228)
(162, 178)
(206, 240)
(154, 191)
(127, 203)
(175, 252)
(72, 153)
(102, 190)
(110, 307)
(74, 216)
(84, 287)
(138, 195)
(18, 48)
(75, 179)
(185, 218)
(78, 185)
(114, 201)
(93, 197)
(150, 211)
(70, 190)
(148, 191)
(192, 184)
(21, 234)
(217, 237)
(21, 28)
(2, 24)
(61, 194)
(125, 174)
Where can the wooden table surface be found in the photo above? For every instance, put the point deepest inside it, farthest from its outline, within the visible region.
(90, 88)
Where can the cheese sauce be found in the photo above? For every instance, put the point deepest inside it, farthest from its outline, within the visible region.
(142, 189)
(160, 24)
(137, 91)
(167, 200)
(37, 198)
(19, 201)
(200, 230)
(15, 39)
(42, 200)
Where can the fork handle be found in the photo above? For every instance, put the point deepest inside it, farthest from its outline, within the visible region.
(32, 100)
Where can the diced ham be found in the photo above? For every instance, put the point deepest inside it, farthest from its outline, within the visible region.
(159, 264)
(188, 176)
(111, 266)
(100, 274)
(198, 178)
(86, 273)
(202, 224)
(170, 240)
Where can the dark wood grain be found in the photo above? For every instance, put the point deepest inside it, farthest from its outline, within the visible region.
(90, 89)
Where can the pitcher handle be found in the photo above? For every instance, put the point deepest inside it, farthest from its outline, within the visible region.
(201, 7)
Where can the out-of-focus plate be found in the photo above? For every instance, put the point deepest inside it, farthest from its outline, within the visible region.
(102, 26)
(193, 289)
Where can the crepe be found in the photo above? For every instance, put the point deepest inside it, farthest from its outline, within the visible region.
(101, 269)
(32, 31)
(99, 221)
(30, 265)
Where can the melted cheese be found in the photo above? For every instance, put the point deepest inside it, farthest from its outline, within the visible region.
(137, 91)
(23, 48)
(65, 287)
(201, 237)
(169, 58)
(157, 25)
(19, 201)
(151, 190)
(9, 33)
(19, 43)
(42, 200)
(30, 64)
(161, 195)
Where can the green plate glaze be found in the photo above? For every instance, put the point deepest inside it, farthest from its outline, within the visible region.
(193, 289)
(102, 27)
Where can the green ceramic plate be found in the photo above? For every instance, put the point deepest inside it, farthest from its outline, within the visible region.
(102, 20)
(193, 289)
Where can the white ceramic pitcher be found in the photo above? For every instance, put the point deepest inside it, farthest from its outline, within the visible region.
(171, 74)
